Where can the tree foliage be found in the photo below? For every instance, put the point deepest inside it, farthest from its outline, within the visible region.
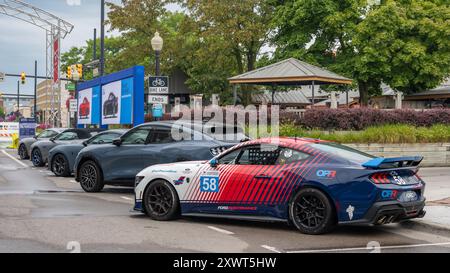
(403, 43)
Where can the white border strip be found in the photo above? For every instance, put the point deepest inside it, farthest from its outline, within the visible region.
(15, 159)
(366, 248)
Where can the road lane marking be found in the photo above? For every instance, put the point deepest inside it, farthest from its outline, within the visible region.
(127, 198)
(365, 248)
(221, 230)
(15, 159)
(271, 248)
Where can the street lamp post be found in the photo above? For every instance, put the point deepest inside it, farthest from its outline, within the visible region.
(157, 45)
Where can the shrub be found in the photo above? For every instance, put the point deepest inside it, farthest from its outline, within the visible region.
(359, 119)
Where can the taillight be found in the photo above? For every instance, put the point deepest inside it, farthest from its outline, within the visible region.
(380, 178)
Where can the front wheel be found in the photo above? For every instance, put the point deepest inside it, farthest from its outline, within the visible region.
(161, 201)
(36, 158)
(90, 177)
(23, 154)
(60, 166)
(312, 212)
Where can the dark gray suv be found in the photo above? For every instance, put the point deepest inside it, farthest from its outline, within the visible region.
(150, 144)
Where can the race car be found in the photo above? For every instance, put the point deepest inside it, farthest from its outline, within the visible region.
(312, 184)
(85, 109)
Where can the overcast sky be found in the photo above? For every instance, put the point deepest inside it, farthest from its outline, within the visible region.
(21, 43)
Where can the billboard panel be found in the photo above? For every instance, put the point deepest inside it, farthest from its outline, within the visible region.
(117, 100)
(89, 105)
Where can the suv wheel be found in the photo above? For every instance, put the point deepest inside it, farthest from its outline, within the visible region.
(90, 177)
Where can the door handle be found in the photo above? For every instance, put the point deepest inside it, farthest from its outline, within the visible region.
(262, 176)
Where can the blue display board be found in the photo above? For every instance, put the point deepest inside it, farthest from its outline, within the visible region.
(27, 127)
(117, 98)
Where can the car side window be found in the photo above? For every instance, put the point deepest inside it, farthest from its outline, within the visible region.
(230, 158)
(137, 136)
(103, 139)
(288, 156)
(67, 136)
(161, 135)
(259, 155)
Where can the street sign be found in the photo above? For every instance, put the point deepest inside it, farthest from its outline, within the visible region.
(152, 99)
(2, 77)
(27, 128)
(70, 86)
(158, 85)
(73, 105)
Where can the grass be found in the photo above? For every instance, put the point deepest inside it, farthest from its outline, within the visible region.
(388, 134)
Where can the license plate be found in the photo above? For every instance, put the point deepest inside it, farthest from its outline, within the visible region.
(408, 196)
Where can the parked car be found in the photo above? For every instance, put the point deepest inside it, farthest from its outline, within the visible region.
(312, 184)
(62, 158)
(85, 109)
(25, 144)
(40, 149)
(111, 106)
(149, 144)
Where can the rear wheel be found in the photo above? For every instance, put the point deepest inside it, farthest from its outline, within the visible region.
(90, 177)
(23, 152)
(36, 158)
(60, 166)
(161, 201)
(312, 212)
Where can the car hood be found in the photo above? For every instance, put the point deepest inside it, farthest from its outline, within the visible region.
(173, 169)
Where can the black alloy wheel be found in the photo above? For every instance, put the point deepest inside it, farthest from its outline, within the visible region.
(161, 201)
(36, 158)
(60, 166)
(90, 177)
(23, 152)
(312, 212)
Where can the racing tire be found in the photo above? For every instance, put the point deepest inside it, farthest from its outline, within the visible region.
(23, 154)
(90, 177)
(161, 201)
(60, 166)
(36, 158)
(311, 212)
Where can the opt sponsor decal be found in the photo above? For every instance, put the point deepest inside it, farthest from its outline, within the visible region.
(389, 194)
(326, 173)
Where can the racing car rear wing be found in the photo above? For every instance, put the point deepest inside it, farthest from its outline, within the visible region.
(397, 162)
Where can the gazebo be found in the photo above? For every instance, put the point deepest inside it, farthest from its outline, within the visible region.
(290, 72)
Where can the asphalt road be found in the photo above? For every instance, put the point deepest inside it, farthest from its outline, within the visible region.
(42, 213)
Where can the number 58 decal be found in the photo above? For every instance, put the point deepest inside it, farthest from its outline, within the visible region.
(209, 183)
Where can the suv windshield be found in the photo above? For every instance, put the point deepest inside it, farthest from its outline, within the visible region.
(344, 152)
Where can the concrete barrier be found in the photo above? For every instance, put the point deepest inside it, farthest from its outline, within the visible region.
(435, 154)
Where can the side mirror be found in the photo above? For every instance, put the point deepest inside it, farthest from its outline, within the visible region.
(85, 143)
(35, 137)
(213, 162)
(52, 139)
(117, 142)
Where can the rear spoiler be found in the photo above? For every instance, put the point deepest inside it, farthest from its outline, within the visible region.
(407, 161)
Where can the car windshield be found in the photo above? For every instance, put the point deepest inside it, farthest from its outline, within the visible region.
(67, 136)
(47, 134)
(344, 152)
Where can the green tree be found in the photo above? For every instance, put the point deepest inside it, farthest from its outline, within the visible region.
(2, 113)
(403, 43)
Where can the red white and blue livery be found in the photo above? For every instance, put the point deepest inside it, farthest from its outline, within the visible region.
(309, 183)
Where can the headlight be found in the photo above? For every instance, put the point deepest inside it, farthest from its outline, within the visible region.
(138, 180)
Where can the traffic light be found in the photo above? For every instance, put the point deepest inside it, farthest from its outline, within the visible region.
(69, 72)
(23, 77)
(80, 70)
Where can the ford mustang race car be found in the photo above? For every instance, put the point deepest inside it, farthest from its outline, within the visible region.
(309, 183)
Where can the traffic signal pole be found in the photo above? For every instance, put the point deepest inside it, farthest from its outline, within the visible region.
(35, 90)
(18, 95)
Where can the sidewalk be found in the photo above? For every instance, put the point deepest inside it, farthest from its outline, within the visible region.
(437, 192)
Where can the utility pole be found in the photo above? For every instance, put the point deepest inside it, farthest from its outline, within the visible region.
(102, 38)
(18, 96)
(35, 89)
(94, 57)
